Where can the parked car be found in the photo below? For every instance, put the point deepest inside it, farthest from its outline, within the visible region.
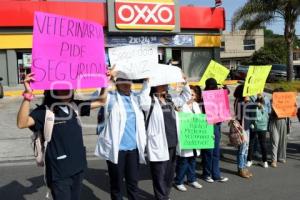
(239, 73)
(277, 73)
(1, 89)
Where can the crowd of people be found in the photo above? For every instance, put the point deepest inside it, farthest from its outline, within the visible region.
(135, 124)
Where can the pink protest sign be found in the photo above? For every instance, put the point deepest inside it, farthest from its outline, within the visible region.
(67, 53)
(216, 104)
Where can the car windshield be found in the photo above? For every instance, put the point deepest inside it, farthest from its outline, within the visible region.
(279, 67)
(242, 68)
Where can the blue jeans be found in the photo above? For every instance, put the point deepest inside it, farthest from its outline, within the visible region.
(185, 166)
(243, 152)
(211, 157)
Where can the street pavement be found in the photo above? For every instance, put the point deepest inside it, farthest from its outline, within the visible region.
(21, 179)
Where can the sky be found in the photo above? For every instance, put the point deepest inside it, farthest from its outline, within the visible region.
(231, 6)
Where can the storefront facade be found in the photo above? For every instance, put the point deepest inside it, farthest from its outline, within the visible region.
(188, 35)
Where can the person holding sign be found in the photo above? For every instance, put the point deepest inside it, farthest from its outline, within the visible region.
(259, 128)
(186, 160)
(278, 135)
(162, 128)
(122, 141)
(242, 108)
(211, 157)
(65, 156)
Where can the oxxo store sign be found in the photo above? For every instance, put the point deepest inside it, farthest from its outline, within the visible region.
(139, 15)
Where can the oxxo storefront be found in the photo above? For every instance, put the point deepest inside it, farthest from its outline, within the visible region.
(188, 35)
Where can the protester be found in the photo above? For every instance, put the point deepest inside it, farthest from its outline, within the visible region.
(122, 141)
(161, 126)
(259, 129)
(211, 157)
(242, 107)
(278, 136)
(186, 159)
(65, 156)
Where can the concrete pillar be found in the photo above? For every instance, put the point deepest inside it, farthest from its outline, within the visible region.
(11, 57)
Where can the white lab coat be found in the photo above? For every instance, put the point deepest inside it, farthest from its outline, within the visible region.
(157, 145)
(109, 140)
(195, 109)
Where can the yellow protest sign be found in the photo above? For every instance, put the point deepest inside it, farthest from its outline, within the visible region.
(284, 104)
(256, 80)
(216, 71)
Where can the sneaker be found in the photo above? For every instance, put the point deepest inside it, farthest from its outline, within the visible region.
(196, 185)
(181, 188)
(265, 164)
(282, 160)
(209, 179)
(223, 179)
(274, 164)
(249, 163)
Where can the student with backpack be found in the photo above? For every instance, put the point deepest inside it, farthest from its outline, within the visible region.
(242, 109)
(211, 157)
(259, 129)
(162, 138)
(186, 159)
(122, 138)
(65, 156)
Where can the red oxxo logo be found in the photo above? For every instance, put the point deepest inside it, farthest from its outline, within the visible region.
(145, 14)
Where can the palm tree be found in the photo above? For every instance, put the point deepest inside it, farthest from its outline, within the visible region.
(258, 13)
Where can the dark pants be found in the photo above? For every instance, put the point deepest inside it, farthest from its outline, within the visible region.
(163, 175)
(262, 135)
(185, 167)
(211, 157)
(67, 188)
(128, 167)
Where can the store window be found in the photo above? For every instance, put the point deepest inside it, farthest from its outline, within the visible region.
(24, 60)
(222, 48)
(249, 45)
(195, 61)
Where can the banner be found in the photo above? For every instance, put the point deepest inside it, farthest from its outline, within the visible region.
(67, 53)
(176, 41)
(216, 104)
(256, 80)
(195, 132)
(216, 71)
(284, 104)
(134, 61)
(165, 74)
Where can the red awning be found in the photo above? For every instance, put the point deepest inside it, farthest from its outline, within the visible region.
(20, 13)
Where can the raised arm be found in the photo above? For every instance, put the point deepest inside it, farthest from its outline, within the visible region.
(184, 96)
(102, 98)
(144, 96)
(23, 118)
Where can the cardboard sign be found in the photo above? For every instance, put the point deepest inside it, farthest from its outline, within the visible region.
(134, 61)
(216, 104)
(165, 74)
(195, 132)
(256, 80)
(284, 104)
(216, 71)
(67, 53)
(145, 14)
